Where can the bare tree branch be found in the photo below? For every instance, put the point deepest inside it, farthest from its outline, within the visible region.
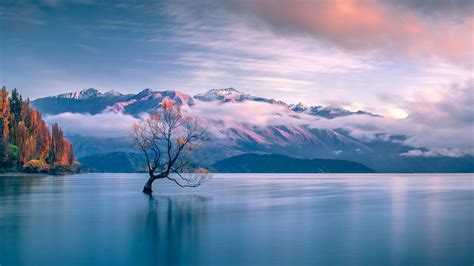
(173, 134)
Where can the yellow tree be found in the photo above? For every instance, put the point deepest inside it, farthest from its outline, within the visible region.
(4, 113)
(4, 119)
(167, 140)
(61, 151)
(44, 141)
(26, 143)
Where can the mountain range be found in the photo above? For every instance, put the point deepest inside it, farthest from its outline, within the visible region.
(276, 127)
(93, 101)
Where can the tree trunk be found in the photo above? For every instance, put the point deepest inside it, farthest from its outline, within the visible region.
(147, 187)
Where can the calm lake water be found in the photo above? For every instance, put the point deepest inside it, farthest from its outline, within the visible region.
(238, 219)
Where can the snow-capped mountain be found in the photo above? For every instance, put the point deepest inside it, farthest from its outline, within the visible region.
(326, 111)
(90, 93)
(93, 101)
(149, 100)
(231, 95)
(234, 133)
(224, 95)
(89, 101)
(240, 123)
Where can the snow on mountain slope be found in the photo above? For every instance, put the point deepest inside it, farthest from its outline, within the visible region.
(149, 100)
(93, 101)
(88, 94)
(329, 112)
(231, 95)
(89, 101)
(238, 122)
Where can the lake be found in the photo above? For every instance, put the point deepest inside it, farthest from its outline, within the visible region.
(238, 219)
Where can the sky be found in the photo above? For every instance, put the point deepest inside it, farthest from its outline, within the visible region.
(379, 56)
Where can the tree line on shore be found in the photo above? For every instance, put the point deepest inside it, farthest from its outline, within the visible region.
(26, 141)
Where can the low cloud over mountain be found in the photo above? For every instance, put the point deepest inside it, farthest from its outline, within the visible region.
(105, 124)
(441, 120)
(238, 123)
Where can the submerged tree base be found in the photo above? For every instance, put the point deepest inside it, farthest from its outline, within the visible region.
(147, 188)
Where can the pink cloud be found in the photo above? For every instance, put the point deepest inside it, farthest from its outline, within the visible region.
(369, 24)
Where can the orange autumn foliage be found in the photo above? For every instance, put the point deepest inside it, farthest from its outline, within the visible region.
(23, 127)
(181, 141)
(62, 149)
(4, 113)
(167, 104)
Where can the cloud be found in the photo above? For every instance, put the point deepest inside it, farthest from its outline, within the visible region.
(440, 121)
(390, 27)
(236, 47)
(21, 15)
(437, 7)
(251, 112)
(196, 45)
(221, 48)
(88, 48)
(396, 113)
(106, 124)
(416, 134)
(446, 107)
(440, 152)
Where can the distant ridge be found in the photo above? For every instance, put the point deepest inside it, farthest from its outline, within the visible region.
(113, 162)
(272, 163)
(89, 101)
(296, 130)
(124, 162)
(88, 94)
(93, 101)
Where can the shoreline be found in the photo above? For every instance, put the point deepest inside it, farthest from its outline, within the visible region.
(18, 174)
(7, 174)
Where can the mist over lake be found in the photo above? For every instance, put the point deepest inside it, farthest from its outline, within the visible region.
(238, 219)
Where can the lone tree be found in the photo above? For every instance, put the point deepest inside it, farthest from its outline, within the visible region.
(167, 140)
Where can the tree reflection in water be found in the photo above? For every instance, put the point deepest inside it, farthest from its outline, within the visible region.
(174, 225)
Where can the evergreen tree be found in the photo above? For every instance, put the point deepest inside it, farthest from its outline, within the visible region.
(15, 114)
(15, 106)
